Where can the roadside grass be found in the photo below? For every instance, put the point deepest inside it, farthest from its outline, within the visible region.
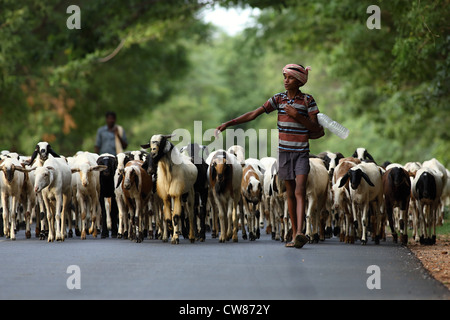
(443, 230)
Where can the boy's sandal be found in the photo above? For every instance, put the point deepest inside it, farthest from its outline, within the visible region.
(300, 241)
(290, 244)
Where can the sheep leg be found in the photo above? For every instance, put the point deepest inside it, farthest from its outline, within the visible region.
(241, 217)
(203, 198)
(364, 223)
(176, 220)
(309, 222)
(229, 219)
(250, 220)
(50, 219)
(415, 218)
(404, 223)
(28, 214)
(222, 218)
(121, 209)
(274, 217)
(93, 228)
(83, 209)
(270, 206)
(167, 219)
(58, 218)
(137, 216)
(12, 229)
(189, 206)
(235, 221)
(6, 224)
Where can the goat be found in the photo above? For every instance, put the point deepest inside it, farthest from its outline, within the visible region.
(41, 152)
(137, 187)
(365, 191)
(42, 149)
(427, 189)
(442, 173)
(11, 183)
(88, 189)
(397, 193)
(176, 176)
(225, 177)
(412, 168)
(341, 202)
(363, 155)
(53, 180)
(238, 152)
(268, 163)
(251, 191)
(122, 160)
(196, 153)
(107, 195)
(316, 195)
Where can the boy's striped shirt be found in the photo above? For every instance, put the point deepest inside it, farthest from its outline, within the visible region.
(293, 136)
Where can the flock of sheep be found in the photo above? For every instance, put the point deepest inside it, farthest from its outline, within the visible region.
(167, 192)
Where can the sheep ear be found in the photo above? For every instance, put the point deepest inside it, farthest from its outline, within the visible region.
(53, 153)
(168, 146)
(145, 146)
(366, 177)
(24, 169)
(368, 155)
(344, 180)
(168, 136)
(98, 168)
(34, 155)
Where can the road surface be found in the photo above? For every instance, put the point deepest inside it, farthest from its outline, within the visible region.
(259, 270)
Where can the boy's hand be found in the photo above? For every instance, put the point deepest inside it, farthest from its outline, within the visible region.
(219, 129)
(291, 111)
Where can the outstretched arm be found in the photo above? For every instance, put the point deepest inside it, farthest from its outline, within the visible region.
(246, 117)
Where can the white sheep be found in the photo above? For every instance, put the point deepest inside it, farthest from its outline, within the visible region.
(366, 190)
(11, 183)
(341, 202)
(54, 180)
(86, 174)
(316, 197)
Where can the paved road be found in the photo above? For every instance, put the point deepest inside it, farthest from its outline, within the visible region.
(263, 269)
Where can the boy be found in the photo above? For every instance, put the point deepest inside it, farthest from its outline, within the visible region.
(297, 120)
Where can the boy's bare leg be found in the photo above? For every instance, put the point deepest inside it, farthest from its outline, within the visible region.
(300, 196)
(292, 204)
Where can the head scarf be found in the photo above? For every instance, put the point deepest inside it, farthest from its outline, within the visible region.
(298, 72)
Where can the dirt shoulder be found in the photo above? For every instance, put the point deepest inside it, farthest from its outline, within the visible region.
(435, 258)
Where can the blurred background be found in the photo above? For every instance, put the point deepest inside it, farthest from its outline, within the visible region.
(163, 64)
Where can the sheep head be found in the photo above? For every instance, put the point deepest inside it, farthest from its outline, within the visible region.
(43, 178)
(159, 145)
(43, 149)
(130, 177)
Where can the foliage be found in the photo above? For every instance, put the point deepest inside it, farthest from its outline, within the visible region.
(166, 69)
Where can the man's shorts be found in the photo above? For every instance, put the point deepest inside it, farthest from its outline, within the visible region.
(292, 164)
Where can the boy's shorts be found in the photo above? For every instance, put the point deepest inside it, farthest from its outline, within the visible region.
(292, 164)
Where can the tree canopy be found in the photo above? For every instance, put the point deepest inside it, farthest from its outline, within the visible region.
(161, 67)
